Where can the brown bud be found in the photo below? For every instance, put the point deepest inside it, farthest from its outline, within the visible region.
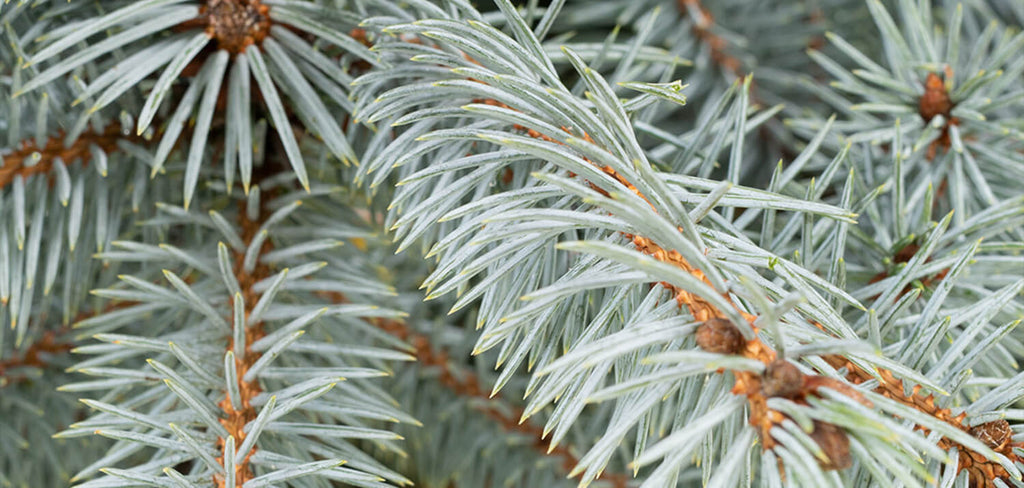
(935, 100)
(782, 379)
(906, 253)
(719, 335)
(994, 434)
(834, 443)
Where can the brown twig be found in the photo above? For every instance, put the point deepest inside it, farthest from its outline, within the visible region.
(54, 148)
(981, 471)
(41, 353)
(235, 420)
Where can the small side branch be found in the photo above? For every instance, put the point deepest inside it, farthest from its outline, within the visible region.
(234, 420)
(53, 343)
(35, 159)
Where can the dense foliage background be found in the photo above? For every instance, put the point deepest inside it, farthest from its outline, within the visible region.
(655, 243)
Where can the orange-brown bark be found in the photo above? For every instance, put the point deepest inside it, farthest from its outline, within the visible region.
(235, 420)
(14, 164)
(980, 470)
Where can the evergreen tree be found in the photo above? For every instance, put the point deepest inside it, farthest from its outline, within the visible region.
(611, 243)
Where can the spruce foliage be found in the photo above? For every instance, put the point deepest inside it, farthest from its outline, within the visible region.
(612, 243)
